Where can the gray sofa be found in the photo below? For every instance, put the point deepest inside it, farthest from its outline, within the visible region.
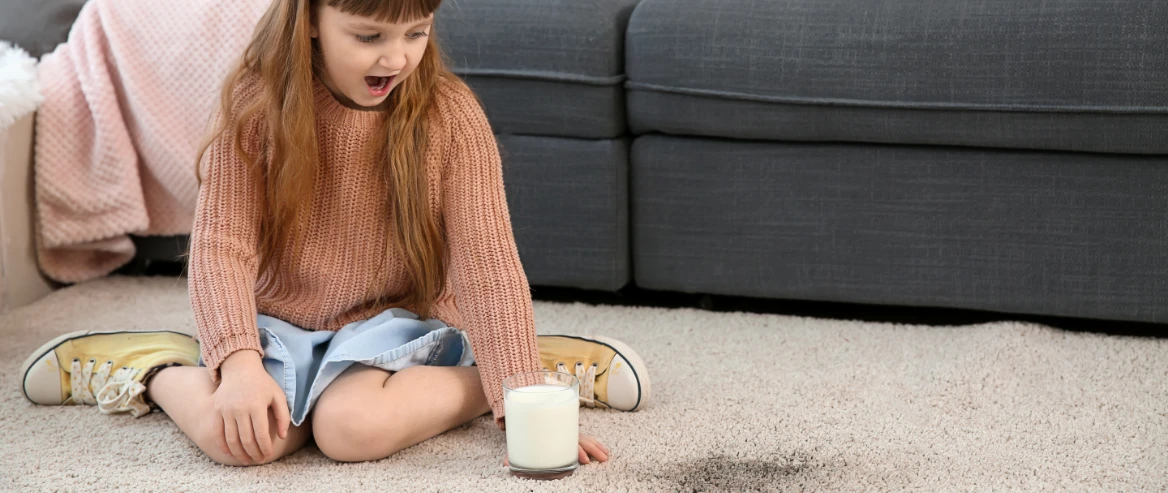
(985, 154)
(551, 78)
(989, 154)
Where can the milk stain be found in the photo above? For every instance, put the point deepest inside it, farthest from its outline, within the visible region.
(726, 474)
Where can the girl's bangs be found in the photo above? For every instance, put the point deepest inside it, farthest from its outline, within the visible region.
(392, 11)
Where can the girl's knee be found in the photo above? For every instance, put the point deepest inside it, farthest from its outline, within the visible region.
(347, 431)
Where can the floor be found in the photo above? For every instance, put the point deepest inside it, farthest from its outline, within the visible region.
(742, 402)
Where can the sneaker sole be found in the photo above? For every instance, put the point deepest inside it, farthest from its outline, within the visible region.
(640, 371)
(48, 347)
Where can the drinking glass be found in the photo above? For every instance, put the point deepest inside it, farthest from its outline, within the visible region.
(543, 424)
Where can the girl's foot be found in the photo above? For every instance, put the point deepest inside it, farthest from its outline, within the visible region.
(611, 374)
(107, 369)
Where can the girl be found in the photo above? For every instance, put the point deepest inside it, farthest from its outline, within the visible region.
(351, 213)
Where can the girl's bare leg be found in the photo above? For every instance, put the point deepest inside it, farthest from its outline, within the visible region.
(367, 414)
(185, 394)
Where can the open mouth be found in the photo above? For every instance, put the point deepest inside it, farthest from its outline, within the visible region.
(378, 85)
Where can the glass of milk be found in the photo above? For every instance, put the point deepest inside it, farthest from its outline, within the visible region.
(543, 424)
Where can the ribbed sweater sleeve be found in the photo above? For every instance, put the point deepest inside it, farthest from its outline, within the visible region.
(224, 240)
(490, 287)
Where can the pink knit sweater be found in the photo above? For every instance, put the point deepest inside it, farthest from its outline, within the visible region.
(487, 293)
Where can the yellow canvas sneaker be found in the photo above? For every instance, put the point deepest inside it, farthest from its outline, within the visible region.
(106, 369)
(611, 374)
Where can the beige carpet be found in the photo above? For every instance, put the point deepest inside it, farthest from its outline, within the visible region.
(742, 402)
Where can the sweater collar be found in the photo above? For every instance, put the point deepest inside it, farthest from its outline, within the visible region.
(328, 108)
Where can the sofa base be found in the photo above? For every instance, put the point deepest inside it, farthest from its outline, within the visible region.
(1079, 235)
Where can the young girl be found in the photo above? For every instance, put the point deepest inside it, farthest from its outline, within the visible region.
(351, 214)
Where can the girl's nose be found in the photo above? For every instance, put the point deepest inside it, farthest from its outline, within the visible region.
(393, 61)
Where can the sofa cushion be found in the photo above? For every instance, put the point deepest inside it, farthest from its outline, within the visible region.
(37, 26)
(553, 67)
(1074, 74)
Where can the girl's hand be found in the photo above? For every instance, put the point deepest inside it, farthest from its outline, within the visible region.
(242, 403)
(592, 447)
(588, 447)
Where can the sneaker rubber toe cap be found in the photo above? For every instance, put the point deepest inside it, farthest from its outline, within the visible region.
(624, 390)
(42, 380)
(628, 387)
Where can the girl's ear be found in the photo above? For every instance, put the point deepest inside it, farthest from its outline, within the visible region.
(313, 32)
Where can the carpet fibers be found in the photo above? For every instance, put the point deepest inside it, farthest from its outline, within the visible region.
(741, 402)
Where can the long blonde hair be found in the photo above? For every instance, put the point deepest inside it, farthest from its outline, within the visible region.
(283, 55)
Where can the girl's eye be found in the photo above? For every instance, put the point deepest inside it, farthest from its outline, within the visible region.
(368, 39)
(418, 35)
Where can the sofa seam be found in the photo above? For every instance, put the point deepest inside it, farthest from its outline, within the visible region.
(910, 105)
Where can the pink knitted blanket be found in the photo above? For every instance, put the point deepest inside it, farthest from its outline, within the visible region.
(127, 101)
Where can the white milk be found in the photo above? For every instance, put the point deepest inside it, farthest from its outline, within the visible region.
(543, 426)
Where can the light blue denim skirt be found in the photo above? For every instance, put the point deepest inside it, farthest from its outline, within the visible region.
(304, 362)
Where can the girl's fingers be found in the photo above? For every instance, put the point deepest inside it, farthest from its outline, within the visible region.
(586, 438)
(247, 436)
(583, 456)
(231, 434)
(263, 437)
(283, 418)
(220, 437)
(594, 449)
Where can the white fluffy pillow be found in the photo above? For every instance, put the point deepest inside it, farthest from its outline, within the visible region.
(19, 92)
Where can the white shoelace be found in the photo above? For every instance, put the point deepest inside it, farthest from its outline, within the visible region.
(118, 393)
(587, 377)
